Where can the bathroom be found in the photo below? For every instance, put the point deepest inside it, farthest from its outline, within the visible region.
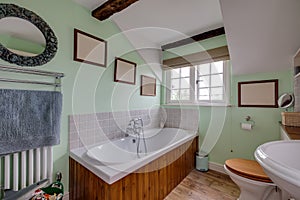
(261, 47)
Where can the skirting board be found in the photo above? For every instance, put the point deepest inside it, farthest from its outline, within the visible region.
(216, 167)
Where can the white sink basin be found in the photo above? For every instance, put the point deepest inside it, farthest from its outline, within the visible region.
(281, 162)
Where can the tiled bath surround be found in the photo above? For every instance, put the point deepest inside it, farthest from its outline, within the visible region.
(89, 129)
(181, 118)
(297, 92)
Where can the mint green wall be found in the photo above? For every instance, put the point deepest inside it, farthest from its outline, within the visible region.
(243, 143)
(86, 88)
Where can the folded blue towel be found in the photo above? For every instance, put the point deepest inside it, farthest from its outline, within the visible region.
(29, 119)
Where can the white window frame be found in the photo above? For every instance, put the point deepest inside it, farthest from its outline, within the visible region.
(194, 89)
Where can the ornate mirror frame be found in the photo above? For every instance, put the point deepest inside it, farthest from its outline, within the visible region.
(11, 10)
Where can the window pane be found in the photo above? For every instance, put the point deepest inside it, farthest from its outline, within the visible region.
(185, 71)
(203, 69)
(203, 97)
(185, 83)
(217, 91)
(217, 67)
(174, 94)
(217, 80)
(217, 97)
(203, 81)
(204, 91)
(175, 84)
(185, 94)
(175, 73)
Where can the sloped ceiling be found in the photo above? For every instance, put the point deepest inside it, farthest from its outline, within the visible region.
(179, 18)
(263, 35)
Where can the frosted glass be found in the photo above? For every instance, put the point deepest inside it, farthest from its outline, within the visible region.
(203, 97)
(185, 71)
(175, 73)
(174, 94)
(203, 81)
(204, 91)
(217, 80)
(185, 94)
(217, 97)
(175, 83)
(204, 69)
(217, 67)
(217, 91)
(185, 83)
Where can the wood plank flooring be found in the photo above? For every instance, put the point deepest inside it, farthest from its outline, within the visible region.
(211, 185)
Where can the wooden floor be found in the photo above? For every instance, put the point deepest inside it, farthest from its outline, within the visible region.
(211, 185)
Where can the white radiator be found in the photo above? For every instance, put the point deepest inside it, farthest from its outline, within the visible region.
(20, 170)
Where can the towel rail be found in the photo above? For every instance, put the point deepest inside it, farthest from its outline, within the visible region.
(30, 71)
(29, 82)
(57, 76)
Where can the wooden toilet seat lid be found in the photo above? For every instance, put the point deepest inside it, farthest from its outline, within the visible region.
(247, 168)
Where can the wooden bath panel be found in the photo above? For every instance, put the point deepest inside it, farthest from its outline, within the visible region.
(153, 181)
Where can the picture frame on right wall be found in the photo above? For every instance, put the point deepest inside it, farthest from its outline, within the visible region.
(148, 86)
(263, 93)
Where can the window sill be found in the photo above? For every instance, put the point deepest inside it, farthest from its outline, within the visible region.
(199, 104)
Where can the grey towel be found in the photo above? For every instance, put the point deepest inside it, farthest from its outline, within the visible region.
(29, 119)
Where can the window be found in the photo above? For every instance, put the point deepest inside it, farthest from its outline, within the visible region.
(210, 81)
(202, 84)
(180, 84)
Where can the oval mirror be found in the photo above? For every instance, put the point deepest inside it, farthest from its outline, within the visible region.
(285, 100)
(40, 40)
(21, 37)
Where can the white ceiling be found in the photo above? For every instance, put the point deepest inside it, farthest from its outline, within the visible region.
(262, 35)
(177, 18)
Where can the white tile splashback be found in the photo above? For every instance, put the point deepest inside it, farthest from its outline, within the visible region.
(89, 129)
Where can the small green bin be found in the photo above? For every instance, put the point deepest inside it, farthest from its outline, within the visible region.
(202, 161)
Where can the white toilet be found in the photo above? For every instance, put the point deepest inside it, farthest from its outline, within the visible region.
(254, 184)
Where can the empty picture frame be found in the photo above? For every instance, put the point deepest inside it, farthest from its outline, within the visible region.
(258, 93)
(125, 71)
(148, 86)
(89, 49)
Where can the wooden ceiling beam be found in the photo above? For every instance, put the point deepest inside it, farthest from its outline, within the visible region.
(195, 38)
(111, 7)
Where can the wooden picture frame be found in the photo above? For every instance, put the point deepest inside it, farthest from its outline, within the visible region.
(89, 49)
(148, 86)
(262, 93)
(125, 71)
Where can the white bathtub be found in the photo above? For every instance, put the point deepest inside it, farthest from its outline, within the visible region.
(115, 159)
